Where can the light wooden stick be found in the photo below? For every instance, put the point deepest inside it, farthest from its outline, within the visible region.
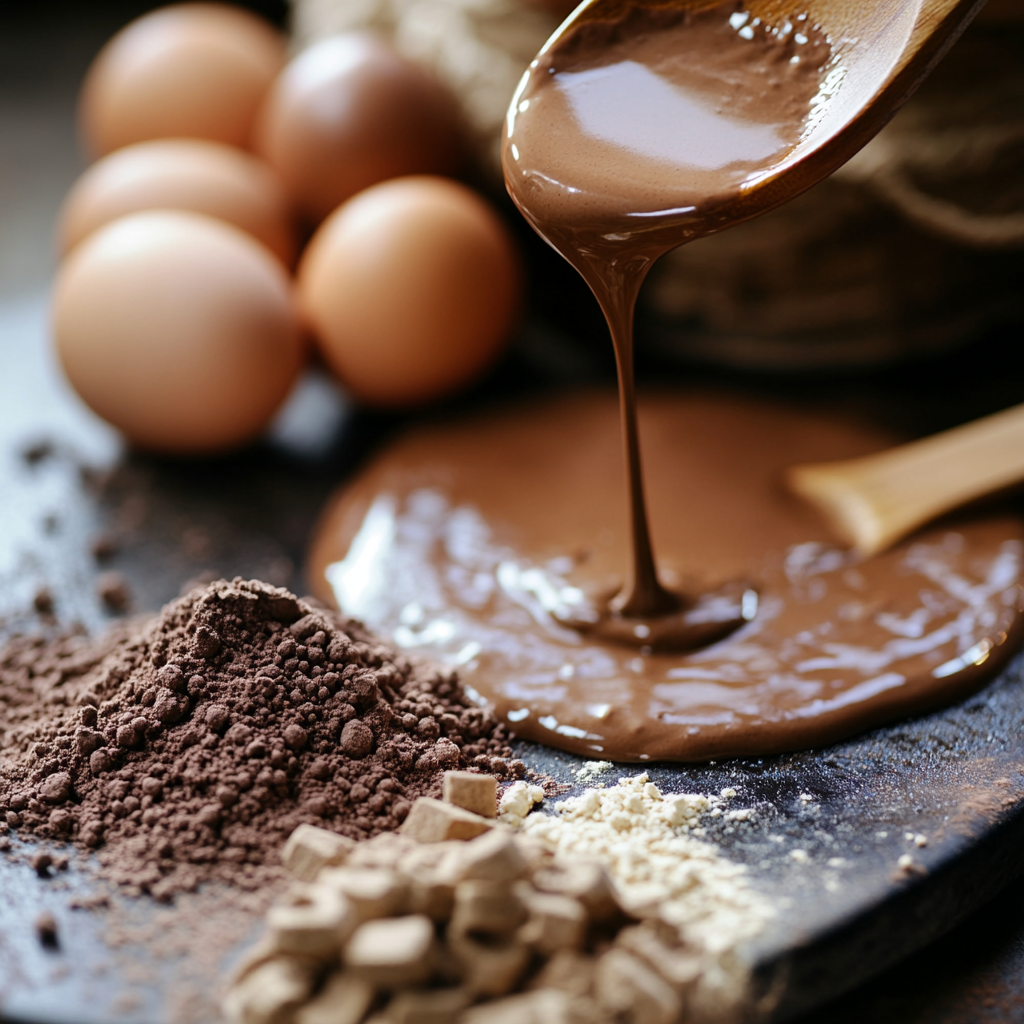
(874, 501)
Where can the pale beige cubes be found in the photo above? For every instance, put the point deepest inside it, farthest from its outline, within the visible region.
(434, 821)
(402, 930)
(310, 848)
(392, 953)
(311, 920)
(344, 999)
(471, 791)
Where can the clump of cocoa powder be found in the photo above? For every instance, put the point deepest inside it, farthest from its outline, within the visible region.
(188, 746)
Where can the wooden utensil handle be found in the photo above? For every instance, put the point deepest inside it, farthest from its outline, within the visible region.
(872, 502)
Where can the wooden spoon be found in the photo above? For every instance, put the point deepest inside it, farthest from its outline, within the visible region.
(882, 49)
(874, 501)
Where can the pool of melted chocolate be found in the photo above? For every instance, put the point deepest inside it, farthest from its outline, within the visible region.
(472, 541)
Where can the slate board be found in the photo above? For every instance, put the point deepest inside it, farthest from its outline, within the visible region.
(956, 777)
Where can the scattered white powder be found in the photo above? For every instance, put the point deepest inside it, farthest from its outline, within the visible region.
(745, 814)
(800, 856)
(645, 840)
(591, 769)
(517, 801)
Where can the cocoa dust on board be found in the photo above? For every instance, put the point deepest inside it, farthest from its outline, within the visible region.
(186, 747)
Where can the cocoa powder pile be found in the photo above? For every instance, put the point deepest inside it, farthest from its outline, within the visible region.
(188, 746)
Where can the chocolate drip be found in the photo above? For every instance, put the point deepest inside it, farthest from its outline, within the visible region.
(614, 121)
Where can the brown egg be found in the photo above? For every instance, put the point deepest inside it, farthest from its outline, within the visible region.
(410, 289)
(180, 174)
(351, 111)
(189, 70)
(178, 329)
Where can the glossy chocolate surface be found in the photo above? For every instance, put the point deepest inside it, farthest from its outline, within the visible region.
(469, 541)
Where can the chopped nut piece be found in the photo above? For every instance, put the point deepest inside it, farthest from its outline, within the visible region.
(644, 899)
(658, 947)
(393, 953)
(542, 1006)
(310, 848)
(486, 908)
(472, 792)
(434, 1006)
(382, 851)
(629, 990)
(372, 892)
(587, 882)
(555, 922)
(433, 821)
(271, 992)
(568, 971)
(443, 858)
(494, 856)
(252, 958)
(489, 970)
(432, 895)
(344, 1000)
(311, 920)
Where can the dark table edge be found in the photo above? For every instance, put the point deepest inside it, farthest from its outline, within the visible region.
(829, 966)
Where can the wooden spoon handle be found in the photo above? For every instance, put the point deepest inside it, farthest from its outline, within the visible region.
(873, 501)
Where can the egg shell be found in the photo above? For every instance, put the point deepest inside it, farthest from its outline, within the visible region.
(178, 329)
(189, 70)
(410, 289)
(181, 174)
(349, 112)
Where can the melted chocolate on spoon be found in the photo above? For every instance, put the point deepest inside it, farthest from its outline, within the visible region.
(623, 141)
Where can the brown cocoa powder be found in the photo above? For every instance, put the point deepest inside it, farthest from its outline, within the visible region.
(186, 747)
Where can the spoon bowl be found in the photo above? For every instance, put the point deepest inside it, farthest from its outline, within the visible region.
(881, 52)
